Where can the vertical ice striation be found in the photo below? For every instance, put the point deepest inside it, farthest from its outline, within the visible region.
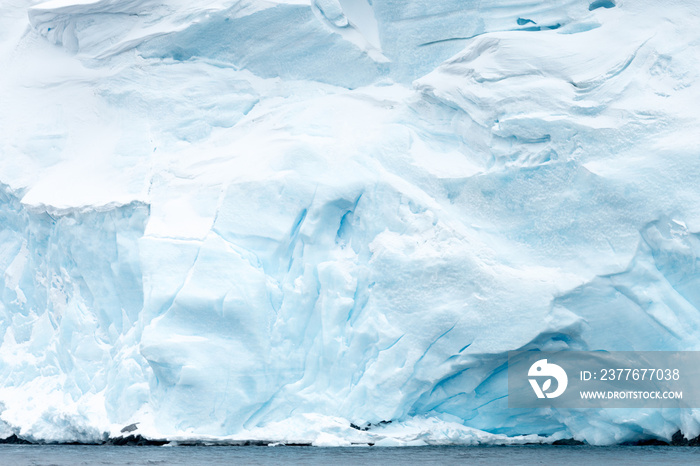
(72, 295)
(272, 219)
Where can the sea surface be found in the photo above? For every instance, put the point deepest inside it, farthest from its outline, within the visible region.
(19, 455)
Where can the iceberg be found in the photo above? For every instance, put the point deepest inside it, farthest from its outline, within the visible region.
(329, 221)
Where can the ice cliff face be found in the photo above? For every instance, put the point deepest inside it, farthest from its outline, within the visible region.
(269, 219)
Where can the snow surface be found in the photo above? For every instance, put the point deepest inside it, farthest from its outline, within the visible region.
(269, 219)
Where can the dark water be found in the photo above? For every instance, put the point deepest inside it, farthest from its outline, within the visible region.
(19, 455)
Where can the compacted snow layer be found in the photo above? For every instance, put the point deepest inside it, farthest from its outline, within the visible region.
(271, 219)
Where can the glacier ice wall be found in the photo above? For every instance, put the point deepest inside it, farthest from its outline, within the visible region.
(270, 219)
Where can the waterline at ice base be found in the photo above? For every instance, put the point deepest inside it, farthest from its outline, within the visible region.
(328, 222)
